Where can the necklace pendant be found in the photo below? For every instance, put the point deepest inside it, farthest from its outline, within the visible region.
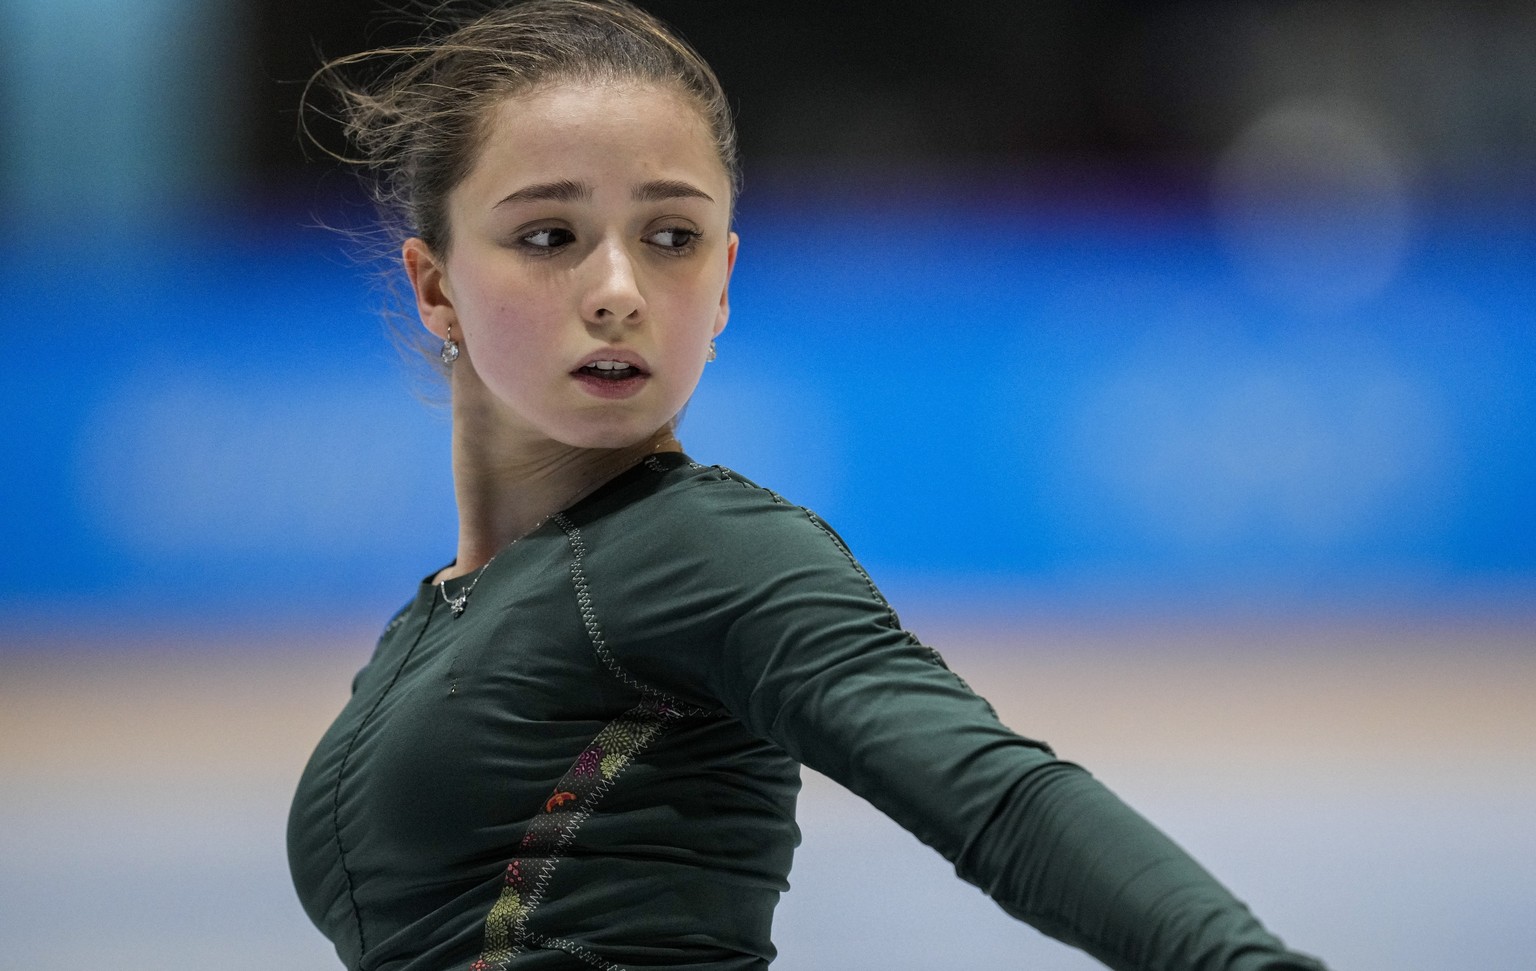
(458, 604)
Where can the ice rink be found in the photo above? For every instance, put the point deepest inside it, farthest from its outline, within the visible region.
(1366, 786)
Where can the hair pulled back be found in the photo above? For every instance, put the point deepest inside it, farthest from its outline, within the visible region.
(418, 115)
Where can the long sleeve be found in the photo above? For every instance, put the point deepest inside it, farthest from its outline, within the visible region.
(810, 657)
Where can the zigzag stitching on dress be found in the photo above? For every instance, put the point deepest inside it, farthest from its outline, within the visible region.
(874, 591)
(732, 476)
(842, 548)
(594, 628)
(576, 795)
(653, 463)
(933, 654)
(574, 950)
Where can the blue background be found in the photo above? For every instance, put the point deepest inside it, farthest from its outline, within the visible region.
(1043, 399)
(1111, 316)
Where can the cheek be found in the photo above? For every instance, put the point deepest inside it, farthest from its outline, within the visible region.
(505, 319)
(486, 291)
(695, 298)
(505, 349)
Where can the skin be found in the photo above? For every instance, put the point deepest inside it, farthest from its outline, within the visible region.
(595, 222)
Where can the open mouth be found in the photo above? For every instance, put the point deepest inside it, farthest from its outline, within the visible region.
(610, 370)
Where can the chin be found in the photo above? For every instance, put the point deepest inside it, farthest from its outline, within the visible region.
(611, 436)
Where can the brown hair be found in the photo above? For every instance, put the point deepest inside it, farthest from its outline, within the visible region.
(418, 115)
(419, 120)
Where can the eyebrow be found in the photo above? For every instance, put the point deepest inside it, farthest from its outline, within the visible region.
(562, 190)
(662, 189)
(567, 190)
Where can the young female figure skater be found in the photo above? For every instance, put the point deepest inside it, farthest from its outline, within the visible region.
(578, 745)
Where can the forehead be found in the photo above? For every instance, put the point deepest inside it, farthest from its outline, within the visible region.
(584, 130)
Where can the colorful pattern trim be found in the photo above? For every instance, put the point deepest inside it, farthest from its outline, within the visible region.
(574, 797)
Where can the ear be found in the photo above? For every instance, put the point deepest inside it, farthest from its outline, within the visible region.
(725, 287)
(429, 279)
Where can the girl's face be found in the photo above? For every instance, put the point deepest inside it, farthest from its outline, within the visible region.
(591, 251)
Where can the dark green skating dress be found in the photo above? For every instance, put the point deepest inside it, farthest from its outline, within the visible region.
(596, 764)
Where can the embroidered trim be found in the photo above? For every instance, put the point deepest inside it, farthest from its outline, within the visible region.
(575, 796)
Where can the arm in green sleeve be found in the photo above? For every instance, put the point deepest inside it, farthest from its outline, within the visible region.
(818, 664)
(811, 657)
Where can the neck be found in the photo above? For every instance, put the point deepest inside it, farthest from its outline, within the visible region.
(504, 493)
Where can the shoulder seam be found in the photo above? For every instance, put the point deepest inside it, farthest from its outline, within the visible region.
(890, 612)
(593, 625)
(858, 567)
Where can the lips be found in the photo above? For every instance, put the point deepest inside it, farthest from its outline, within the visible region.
(610, 370)
(612, 364)
(612, 373)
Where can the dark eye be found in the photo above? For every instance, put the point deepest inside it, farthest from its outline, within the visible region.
(550, 238)
(674, 238)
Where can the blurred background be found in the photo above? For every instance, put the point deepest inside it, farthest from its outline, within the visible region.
(1171, 367)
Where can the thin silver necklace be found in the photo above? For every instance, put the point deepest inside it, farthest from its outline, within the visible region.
(459, 602)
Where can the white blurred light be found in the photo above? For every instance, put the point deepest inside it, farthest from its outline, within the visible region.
(1315, 206)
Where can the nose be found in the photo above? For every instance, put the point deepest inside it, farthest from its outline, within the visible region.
(613, 289)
